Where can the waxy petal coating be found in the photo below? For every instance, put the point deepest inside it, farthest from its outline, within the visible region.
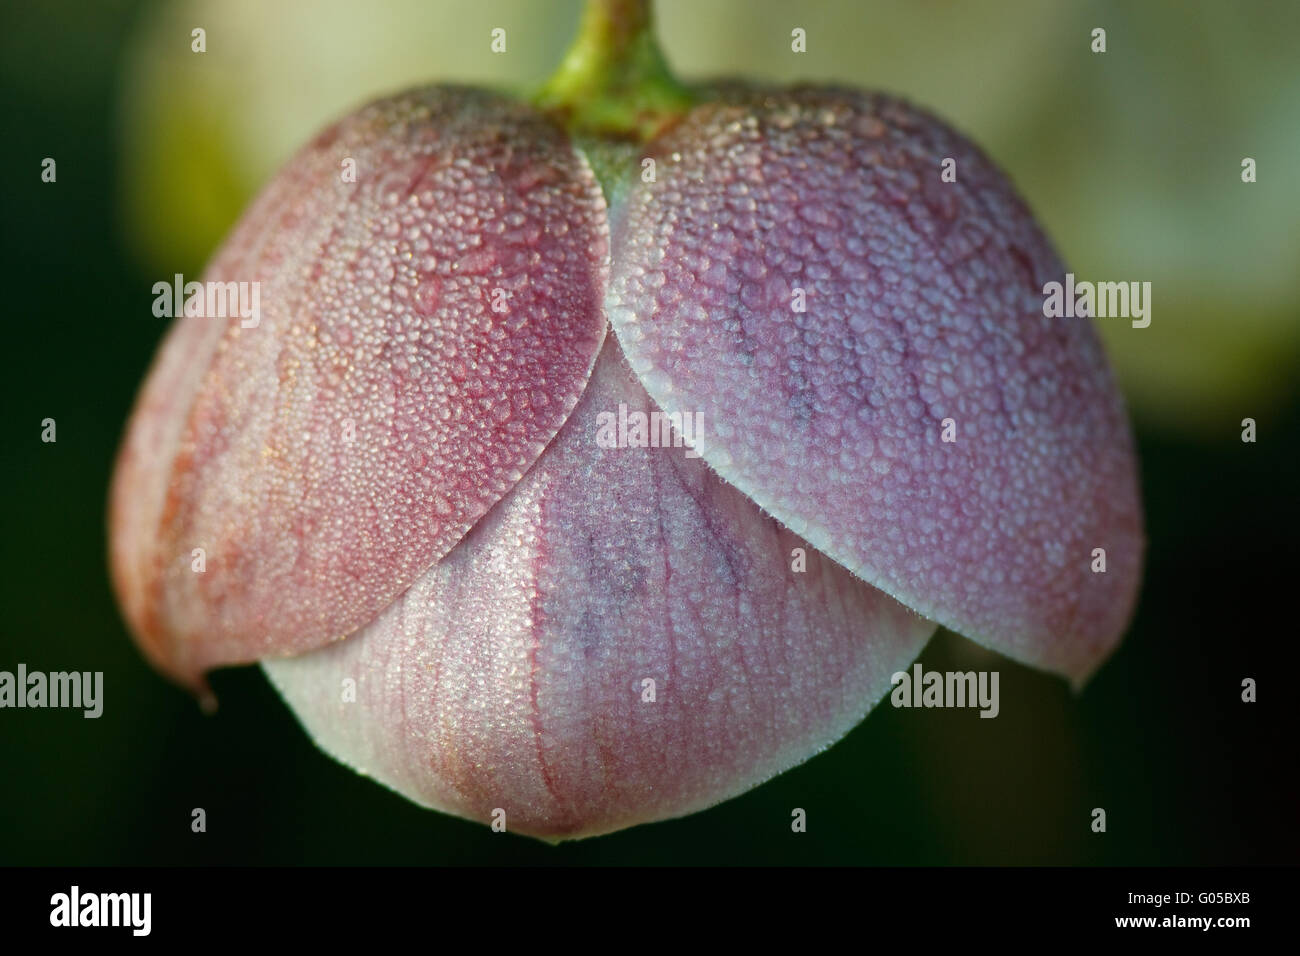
(799, 274)
(424, 332)
(513, 674)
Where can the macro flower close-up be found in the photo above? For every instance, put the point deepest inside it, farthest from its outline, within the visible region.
(586, 463)
(461, 436)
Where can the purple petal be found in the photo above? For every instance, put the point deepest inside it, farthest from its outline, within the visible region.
(922, 302)
(513, 675)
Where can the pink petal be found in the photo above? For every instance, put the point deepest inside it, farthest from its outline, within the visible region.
(511, 675)
(924, 302)
(327, 457)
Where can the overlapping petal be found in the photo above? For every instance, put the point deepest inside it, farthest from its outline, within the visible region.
(800, 272)
(424, 332)
(514, 674)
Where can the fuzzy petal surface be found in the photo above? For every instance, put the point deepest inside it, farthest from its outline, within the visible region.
(516, 673)
(424, 332)
(800, 275)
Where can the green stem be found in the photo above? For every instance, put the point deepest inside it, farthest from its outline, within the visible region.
(614, 81)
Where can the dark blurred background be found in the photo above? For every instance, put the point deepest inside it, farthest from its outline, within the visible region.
(1132, 161)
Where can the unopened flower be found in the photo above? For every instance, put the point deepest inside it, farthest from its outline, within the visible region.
(407, 514)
